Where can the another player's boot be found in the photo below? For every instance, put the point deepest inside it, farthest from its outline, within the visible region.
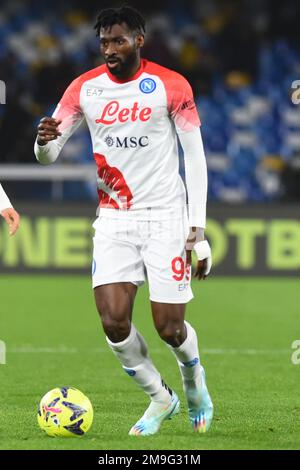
(200, 406)
(155, 414)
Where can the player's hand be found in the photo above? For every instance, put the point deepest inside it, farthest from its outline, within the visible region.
(48, 130)
(201, 246)
(12, 218)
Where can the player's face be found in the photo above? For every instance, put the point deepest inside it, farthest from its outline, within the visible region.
(120, 49)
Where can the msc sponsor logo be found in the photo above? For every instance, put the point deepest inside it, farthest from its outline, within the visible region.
(113, 113)
(109, 140)
(147, 85)
(127, 142)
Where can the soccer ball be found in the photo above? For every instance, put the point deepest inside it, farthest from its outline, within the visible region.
(65, 412)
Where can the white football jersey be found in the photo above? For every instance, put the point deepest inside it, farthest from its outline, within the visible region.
(4, 201)
(133, 125)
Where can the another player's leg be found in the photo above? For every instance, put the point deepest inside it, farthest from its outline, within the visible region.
(181, 337)
(115, 304)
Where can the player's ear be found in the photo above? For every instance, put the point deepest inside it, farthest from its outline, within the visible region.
(139, 40)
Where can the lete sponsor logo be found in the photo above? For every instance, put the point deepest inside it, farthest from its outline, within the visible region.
(113, 113)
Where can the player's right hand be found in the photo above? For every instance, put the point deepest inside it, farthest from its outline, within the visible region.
(48, 130)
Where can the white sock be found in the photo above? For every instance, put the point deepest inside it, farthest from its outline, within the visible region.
(133, 355)
(187, 355)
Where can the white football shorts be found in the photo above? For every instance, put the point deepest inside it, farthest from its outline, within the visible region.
(130, 250)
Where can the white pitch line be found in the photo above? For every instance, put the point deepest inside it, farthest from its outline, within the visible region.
(28, 349)
(38, 350)
(249, 352)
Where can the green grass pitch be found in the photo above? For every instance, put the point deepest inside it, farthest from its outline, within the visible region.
(245, 327)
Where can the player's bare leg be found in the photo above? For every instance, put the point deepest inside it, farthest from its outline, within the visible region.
(181, 337)
(115, 304)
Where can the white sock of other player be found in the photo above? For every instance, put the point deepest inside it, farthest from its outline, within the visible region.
(133, 355)
(187, 355)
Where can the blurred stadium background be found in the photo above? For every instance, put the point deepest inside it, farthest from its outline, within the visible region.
(242, 59)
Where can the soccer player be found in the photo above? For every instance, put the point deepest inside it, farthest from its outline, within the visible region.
(7, 211)
(134, 110)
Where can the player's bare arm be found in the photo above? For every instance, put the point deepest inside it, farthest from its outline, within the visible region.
(9, 214)
(48, 130)
(12, 219)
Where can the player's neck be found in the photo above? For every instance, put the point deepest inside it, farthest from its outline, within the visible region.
(132, 71)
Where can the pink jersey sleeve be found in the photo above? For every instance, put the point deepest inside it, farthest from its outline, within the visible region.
(181, 103)
(68, 109)
(70, 113)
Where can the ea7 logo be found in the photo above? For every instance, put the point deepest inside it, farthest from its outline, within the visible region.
(2, 352)
(2, 92)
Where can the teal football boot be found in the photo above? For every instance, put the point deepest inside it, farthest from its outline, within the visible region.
(154, 416)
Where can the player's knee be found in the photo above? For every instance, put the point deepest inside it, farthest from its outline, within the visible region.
(115, 319)
(170, 332)
(116, 331)
(116, 328)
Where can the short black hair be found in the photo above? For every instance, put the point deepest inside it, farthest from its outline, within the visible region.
(125, 14)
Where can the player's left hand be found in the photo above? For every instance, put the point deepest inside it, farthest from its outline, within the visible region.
(12, 218)
(201, 246)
